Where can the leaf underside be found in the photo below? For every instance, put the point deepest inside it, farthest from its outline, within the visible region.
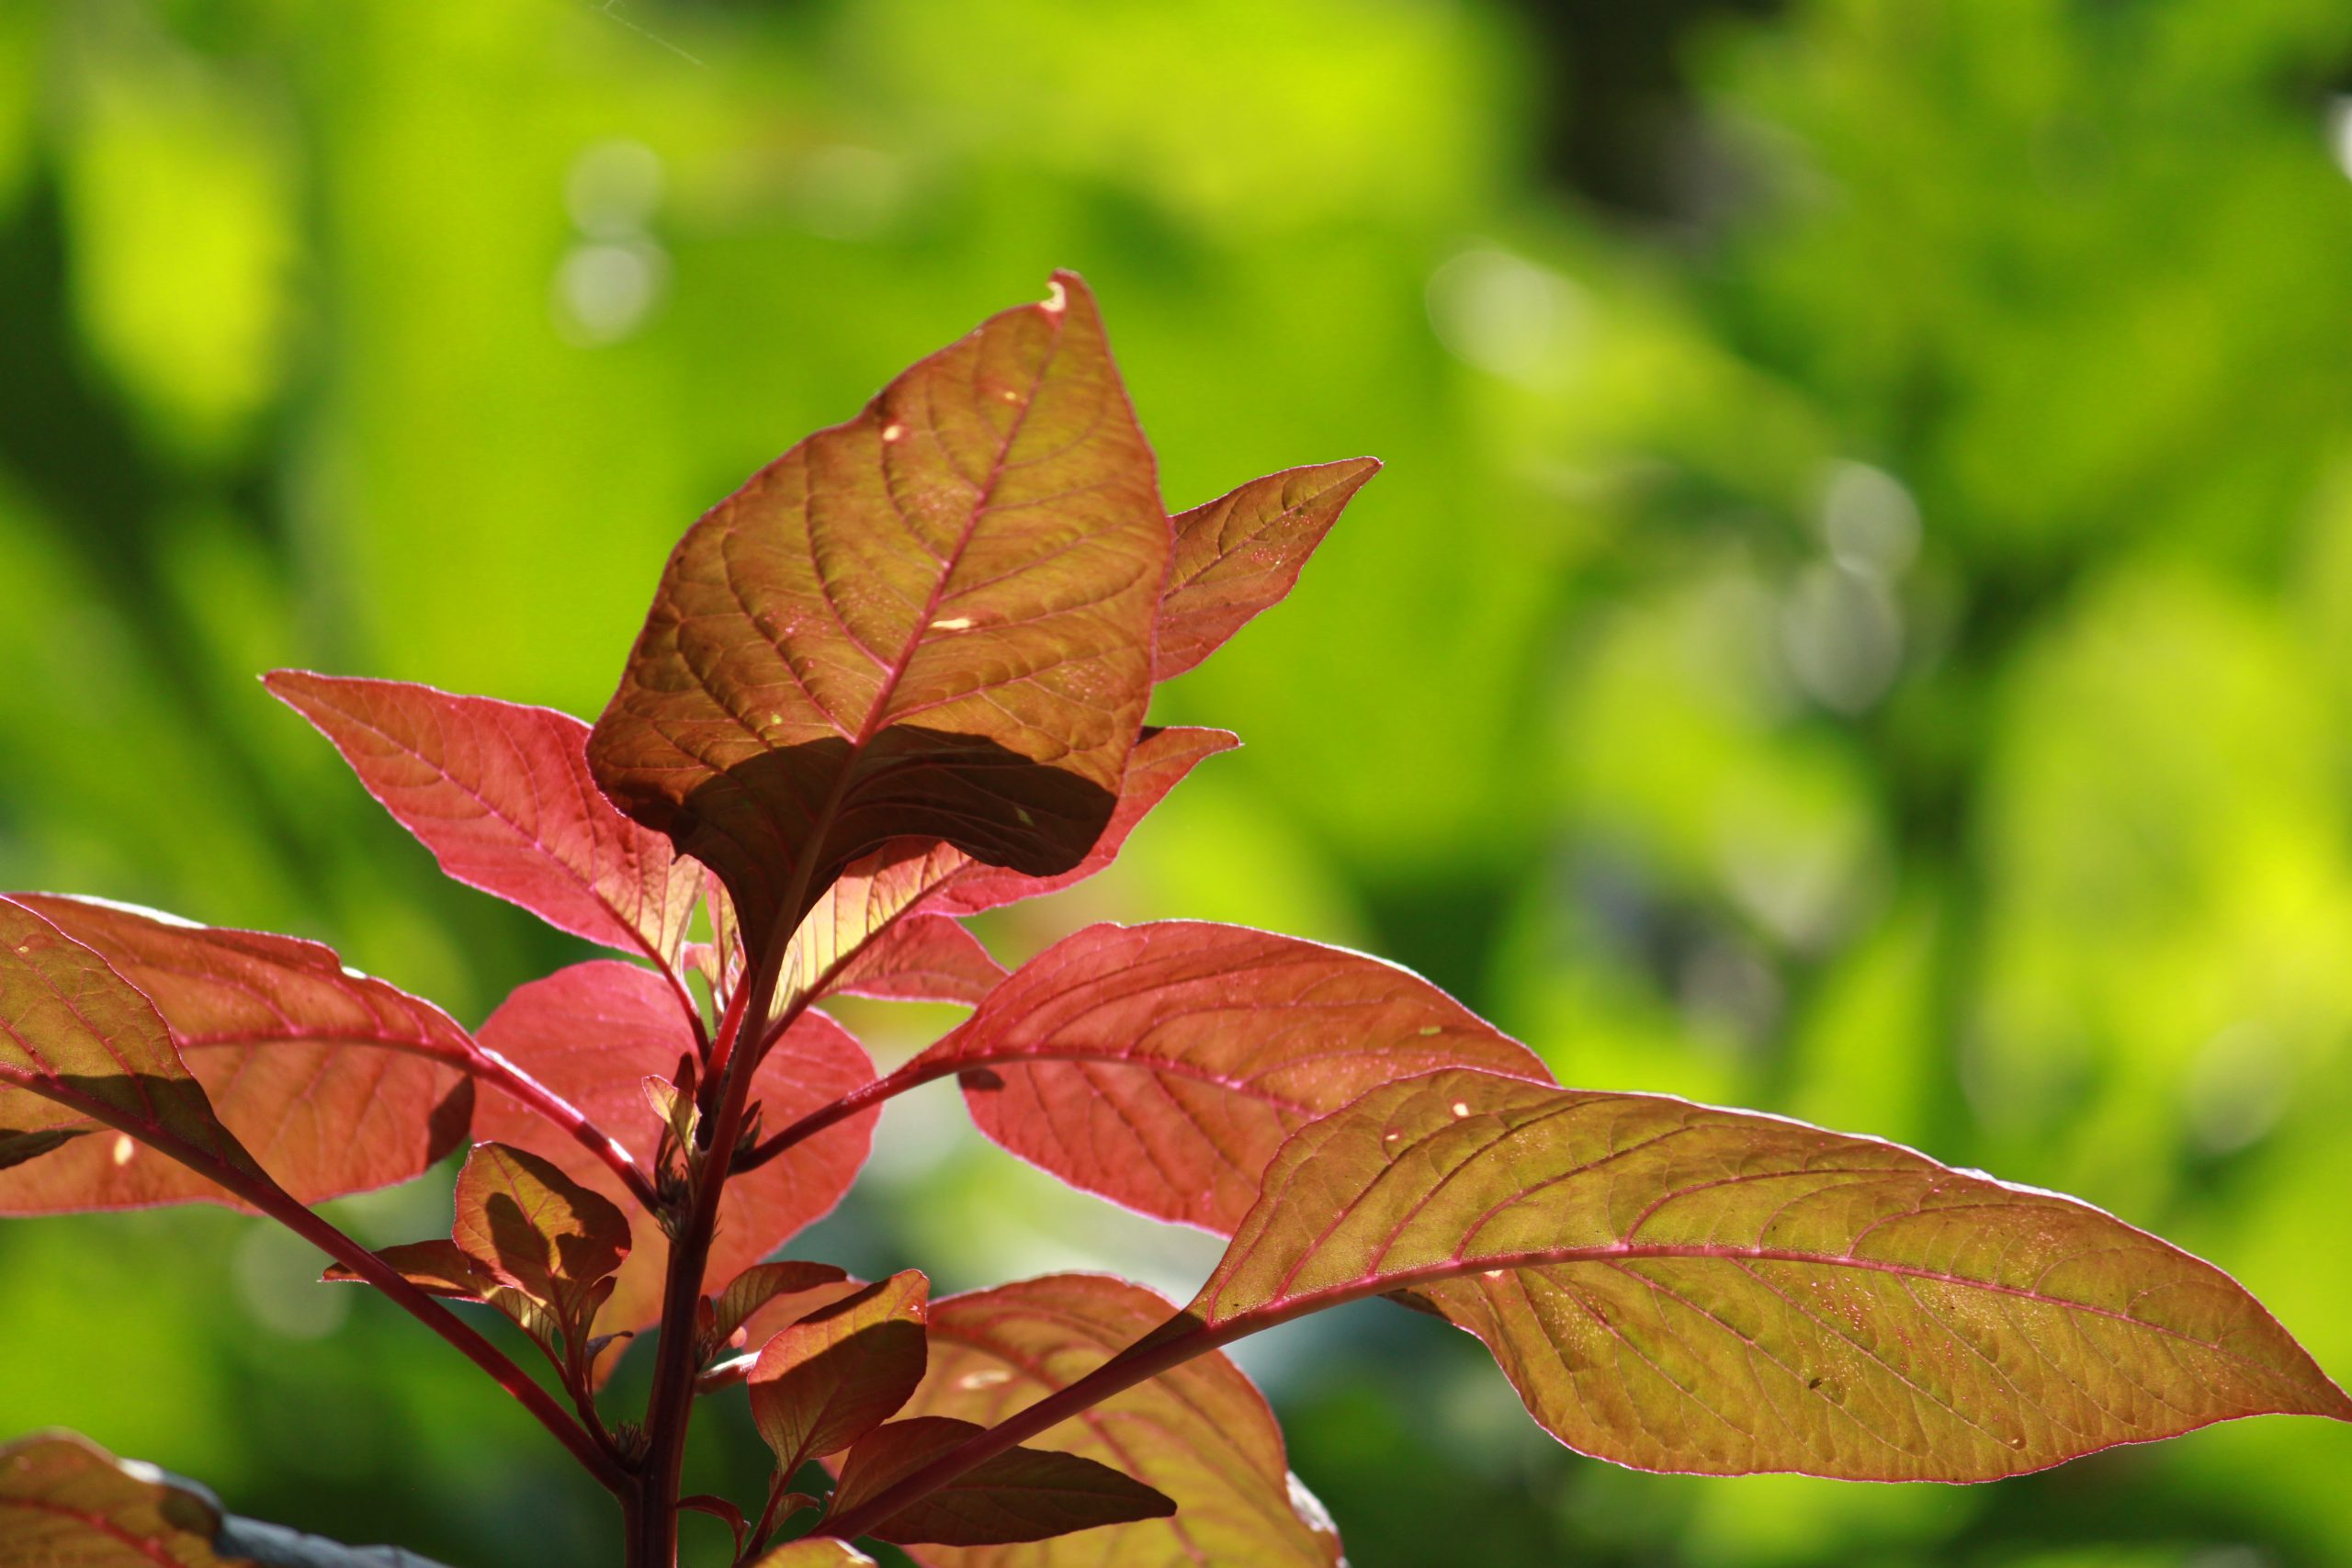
(1677, 1288)
(532, 1227)
(1241, 553)
(840, 1371)
(336, 1083)
(1201, 1434)
(65, 1500)
(1021, 1494)
(593, 1032)
(1162, 1065)
(502, 794)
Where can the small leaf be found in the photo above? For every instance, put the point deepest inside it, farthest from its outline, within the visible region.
(1020, 1494)
(502, 795)
(335, 1082)
(815, 1551)
(438, 1268)
(1200, 1433)
(932, 621)
(1162, 1065)
(65, 1500)
(79, 1046)
(532, 1227)
(841, 1371)
(767, 1297)
(1681, 1289)
(593, 1032)
(1243, 552)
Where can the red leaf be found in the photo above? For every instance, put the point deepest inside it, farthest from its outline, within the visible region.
(68, 1503)
(1201, 1433)
(438, 1268)
(532, 1227)
(925, 958)
(767, 1297)
(1681, 1289)
(817, 1552)
(1020, 1494)
(1162, 1065)
(593, 1032)
(841, 1371)
(932, 621)
(502, 795)
(334, 1082)
(79, 1046)
(1242, 553)
(875, 919)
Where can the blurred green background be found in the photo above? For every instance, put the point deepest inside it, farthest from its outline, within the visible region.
(1857, 620)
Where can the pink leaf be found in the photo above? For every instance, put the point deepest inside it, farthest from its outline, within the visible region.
(1162, 1065)
(593, 1032)
(502, 795)
(334, 1082)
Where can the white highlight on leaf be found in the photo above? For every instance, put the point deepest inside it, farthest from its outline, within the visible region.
(892, 432)
(987, 1377)
(123, 1148)
(1461, 1108)
(1055, 299)
(952, 624)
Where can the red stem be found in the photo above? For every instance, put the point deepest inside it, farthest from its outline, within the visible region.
(914, 1074)
(487, 1064)
(256, 1189)
(654, 1530)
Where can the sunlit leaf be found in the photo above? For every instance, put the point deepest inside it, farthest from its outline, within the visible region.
(769, 1296)
(532, 1227)
(1682, 1289)
(881, 928)
(932, 621)
(1160, 1066)
(79, 1046)
(437, 1266)
(817, 1552)
(841, 1371)
(1243, 552)
(923, 958)
(66, 1502)
(1020, 1494)
(334, 1082)
(502, 795)
(593, 1032)
(1200, 1433)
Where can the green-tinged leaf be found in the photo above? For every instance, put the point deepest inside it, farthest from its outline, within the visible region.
(79, 1046)
(500, 794)
(767, 1297)
(818, 1551)
(437, 1266)
(1200, 1433)
(1241, 553)
(840, 1371)
(1020, 1494)
(533, 1228)
(1682, 1289)
(336, 1083)
(66, 1503)
(933, 621)
(1162, 1065)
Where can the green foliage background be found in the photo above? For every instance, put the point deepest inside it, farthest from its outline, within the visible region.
(1857, 620)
